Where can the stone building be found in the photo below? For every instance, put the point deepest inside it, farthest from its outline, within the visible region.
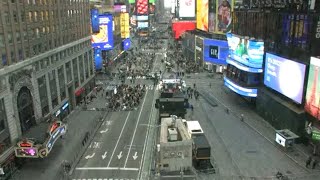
(46, 65)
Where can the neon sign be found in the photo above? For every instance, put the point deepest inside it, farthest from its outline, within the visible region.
(57, 129)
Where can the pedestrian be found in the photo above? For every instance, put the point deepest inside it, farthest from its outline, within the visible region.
(314, 163)
(308, 162)
(191, 107)
(194, 85)
(210, 85)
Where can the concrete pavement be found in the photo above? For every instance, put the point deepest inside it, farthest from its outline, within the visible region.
(242, 150)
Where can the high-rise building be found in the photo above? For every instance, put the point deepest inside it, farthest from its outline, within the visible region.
(46, 65)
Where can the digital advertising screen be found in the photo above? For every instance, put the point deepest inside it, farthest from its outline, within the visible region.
(119, 8)
(187, 8)
(223, 16)
(142, 18)
(126, 43)
(142, 7)
(124, 25)
(103, 39)
(152, 8)
(143, 24)
(132, 1)
(295, 29)
(245, 51)
(215, 51)
(98, 59)
(313, 89)
(248, 92)
(202, 14)
(133, 20)
(95, 20)
(285, 76)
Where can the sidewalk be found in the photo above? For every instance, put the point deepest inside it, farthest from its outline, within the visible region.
(237, 106)
(79, 122)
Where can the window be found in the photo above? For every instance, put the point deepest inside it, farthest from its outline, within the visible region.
(43, 30)
(37, 33)
(10, 38)
(30, 16)
(1, 40)
(6, 18)
(13, 57)
(13, 1)
(4, 59)
(20, 52)
(25, 35)
(35, 16)
(15, 16)
(22, 15)
(42, 15)
(3, 115)
(18, 36)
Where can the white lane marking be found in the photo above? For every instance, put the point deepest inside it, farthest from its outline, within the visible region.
(104, 155)
(120, 155)
(147, 136)
(104, 131)
(135, 156)
(95, 145)
(90, 156)
(107, 168)
(135, 129)
(114, 150)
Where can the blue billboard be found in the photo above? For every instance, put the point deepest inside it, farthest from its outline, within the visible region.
(95, 21)
(215, 51)
(126, 43)
(98, 59)
(246, 51)
(104, 39)
(243, 67)
(285, 76)
(248, 92)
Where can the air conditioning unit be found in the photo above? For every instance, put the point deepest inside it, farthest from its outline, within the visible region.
(172, 134)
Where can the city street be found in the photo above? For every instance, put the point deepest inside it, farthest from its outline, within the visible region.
(117, 149)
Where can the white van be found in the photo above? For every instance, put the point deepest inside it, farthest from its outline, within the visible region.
(194, 128)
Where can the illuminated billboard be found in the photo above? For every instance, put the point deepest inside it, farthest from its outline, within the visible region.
(313, 89)
(202, 14)
(97, 59)
(223, 16)
(142, 18)
(248, 52)
(119, 8)
(126, 43)
(187, 8)
(142, 6)
(124, 25)
(95, 20)
(215, 51)
(143, 24)
(244, 91)
(285, 76)
(103, 39)
(152, 8)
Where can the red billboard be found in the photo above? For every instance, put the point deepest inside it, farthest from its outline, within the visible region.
(179, 27)
(142, 6)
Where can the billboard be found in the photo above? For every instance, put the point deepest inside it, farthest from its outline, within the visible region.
(187, 8)
(143, 24)
(248, 92)
(202, 14)
(103, 39)
(313, 89)
(223, 16)
(248, 52)
(152, 8)
(132, 1)
(295, 29)
(215, 51)
(142, 6)
(124, 25)
(120, 8)
(126, 43)
(98, 59)
(142, 18)
(285, 76)
(179, 27)
(95, 20)
(133, 20)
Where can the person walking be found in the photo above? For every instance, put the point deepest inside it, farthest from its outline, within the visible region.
(314, 163)
(308, 162)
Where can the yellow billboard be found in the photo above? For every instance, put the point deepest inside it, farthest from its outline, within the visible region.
(202, 14)
(224, 9)
(124, 25)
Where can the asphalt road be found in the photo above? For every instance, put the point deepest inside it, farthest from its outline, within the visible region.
(117, 149)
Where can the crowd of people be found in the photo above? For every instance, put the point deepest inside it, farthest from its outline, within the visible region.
(125, 97)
